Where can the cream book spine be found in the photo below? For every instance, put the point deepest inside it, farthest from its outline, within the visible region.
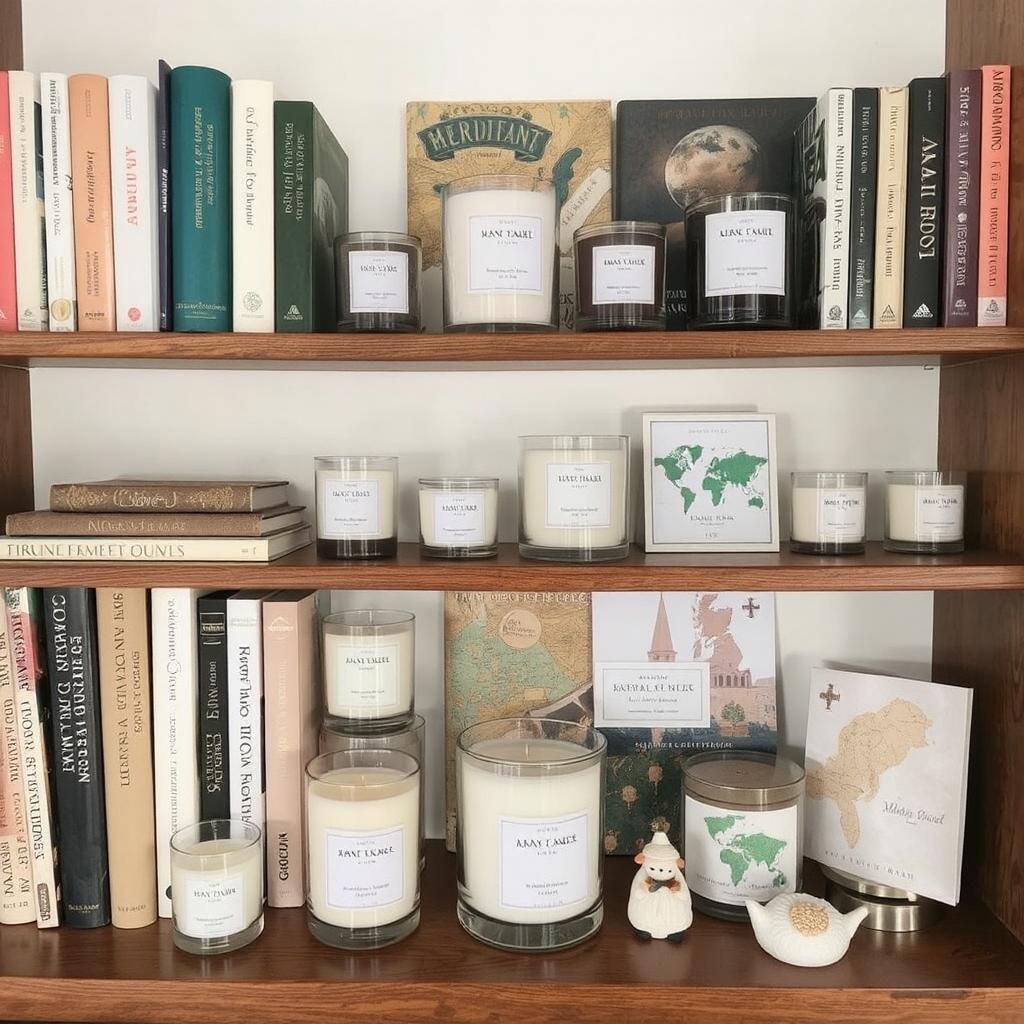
(891, 211)
(61, 291)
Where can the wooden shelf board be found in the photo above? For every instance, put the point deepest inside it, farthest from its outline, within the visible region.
(874, 570)
(966, 964)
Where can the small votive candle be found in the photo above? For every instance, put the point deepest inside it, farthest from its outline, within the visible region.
(378, 276)
(368, 659)
(362, 838)
(574, 497)
(828, 513)
(216, 885)
(924, 511)
(459, 516)
(356, 506)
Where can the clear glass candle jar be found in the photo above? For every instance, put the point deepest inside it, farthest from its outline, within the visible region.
(829, 513)
(362, 847)
(620, 276)
(356, 506)
(530, 832)
(368, 666)
(378, 278)
(743, 827)
(574, 497)
(216, 885)
(924, 511)
(499, 236)
(459, 516)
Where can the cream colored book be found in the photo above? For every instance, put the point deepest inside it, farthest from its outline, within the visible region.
(891, 209)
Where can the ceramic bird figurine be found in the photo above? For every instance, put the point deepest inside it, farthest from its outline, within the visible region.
(803, 930)
(659, 900)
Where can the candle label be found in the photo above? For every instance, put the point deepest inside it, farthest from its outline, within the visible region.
(732, 855)
(506, 254)
(669, 695)
(366, 676)
(458, 519)
(543, 862)
(623, 273)
(365, 869)
(840, 516)
(350, 508)
(378, 281)
(210, 908)
(745, 253)
(939, 513)
(579, 495)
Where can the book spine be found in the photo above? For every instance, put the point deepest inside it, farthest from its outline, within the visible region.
(90, 188)
(142, 549)
(23, 618)
(151, 498)
(60, 227)
(123, 629)
(214, 763)
(114, 524)
(293, 231)
(960, 220)
(133, 179)
(891, 211)
(926, 166)
(201, 199)
(995, 192)
(252, 205)
(175, 723)
(29, 216)
(835, 240)
(163, 185)
(70, 615)
(8, 288)
(863, 197)
(809, 185)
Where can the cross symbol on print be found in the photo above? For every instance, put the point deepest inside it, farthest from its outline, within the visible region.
(750, 607)
(829, 696)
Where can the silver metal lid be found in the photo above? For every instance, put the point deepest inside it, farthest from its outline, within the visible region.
(743, 777)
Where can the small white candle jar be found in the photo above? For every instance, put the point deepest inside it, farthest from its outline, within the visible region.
(216, 886)
(368, 667)
(530, 832)
(499, 237)
(362, 843)
(924, 511)
(459, 516)
(829, 511)
(574, 497)
(356, 506)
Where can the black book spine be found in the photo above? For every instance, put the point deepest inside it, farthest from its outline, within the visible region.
(70, 620)
(926, 161)
(214, 779)
(863, 197)
(809, 178)
(163, 182)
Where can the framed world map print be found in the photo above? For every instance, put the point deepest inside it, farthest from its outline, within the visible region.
(710, 482)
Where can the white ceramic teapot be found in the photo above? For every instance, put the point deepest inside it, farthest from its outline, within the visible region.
(659, 900)
(803, 930)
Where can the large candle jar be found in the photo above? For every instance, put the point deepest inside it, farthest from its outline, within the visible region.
(356, 506)
(924, 511)
(362, 843)
(378, 278)
(828, 513)
(620, 276)
(530, 832)
(459, 516)
(742, 829)
(499, 236)
(574, 497)
(368, 666)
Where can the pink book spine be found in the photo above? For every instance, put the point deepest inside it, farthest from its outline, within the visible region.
(8, 296)
(995, 191)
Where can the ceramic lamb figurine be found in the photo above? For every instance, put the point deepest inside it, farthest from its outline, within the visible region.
(803, 930)
(659, 900)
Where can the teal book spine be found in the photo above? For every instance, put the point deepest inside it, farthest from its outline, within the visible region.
(201, 199)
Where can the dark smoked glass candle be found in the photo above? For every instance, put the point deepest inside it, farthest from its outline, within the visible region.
(378, 278)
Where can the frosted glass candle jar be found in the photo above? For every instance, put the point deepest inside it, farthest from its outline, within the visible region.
(530, 832)
(356, 506)
(378, 277)
(459, 516)
(362, 843)
(216, 886)
(924, 511)
(369, 659)
(499, 235)
(829, 512)
(574, 497)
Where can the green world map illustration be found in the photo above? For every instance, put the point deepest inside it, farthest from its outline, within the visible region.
(742, 851)
(692, 468)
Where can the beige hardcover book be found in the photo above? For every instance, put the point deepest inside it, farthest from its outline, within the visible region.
(891, 208)
(123, 629)
(123, 495)
(154, 524)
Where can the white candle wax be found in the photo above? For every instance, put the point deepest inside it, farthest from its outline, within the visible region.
(369, 675)
(363, 832)
(925, 514)
(355, 504)
(529, 843)
(829, 515)
(459, 518)
(220, 895)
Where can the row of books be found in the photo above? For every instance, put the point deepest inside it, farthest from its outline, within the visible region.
(903, 204)
(204, 205)
(128, 715)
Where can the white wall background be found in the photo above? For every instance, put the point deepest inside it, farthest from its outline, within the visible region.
(360, 61)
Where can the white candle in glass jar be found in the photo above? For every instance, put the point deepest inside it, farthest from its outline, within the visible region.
(925, 514)
(464, 518)
(354, 504)
(216, 887)
(829, 515)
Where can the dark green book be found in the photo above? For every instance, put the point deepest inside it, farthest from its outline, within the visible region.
(201, 199)
(310, 211)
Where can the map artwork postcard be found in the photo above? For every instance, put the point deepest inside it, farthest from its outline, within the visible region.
(710, 482)
(887, 779)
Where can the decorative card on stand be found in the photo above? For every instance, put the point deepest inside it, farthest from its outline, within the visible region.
(887, 779)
